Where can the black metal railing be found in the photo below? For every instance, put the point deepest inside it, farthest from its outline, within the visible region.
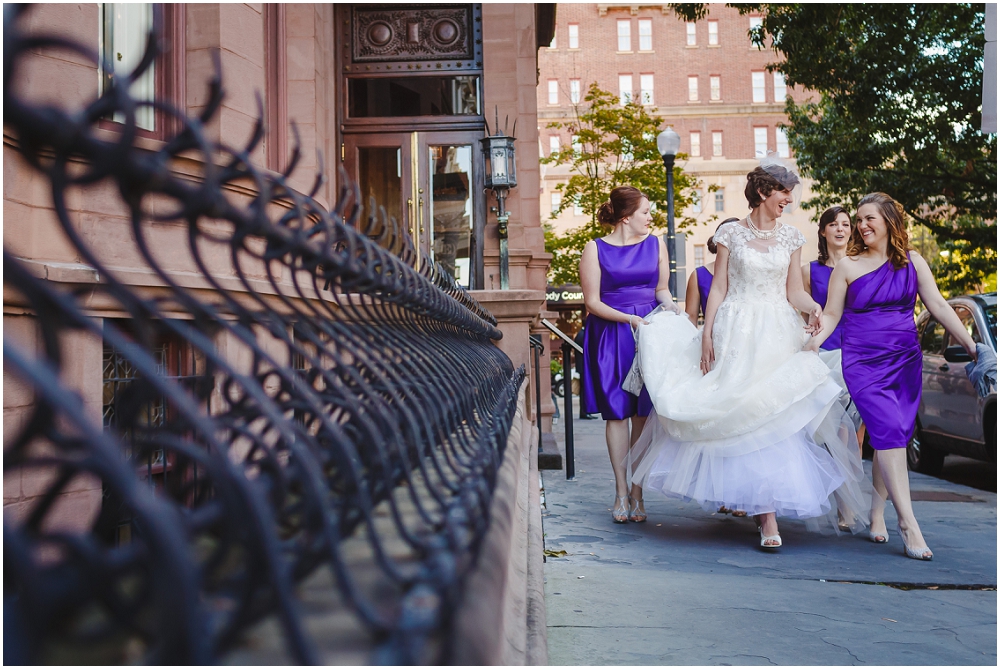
(329, 409)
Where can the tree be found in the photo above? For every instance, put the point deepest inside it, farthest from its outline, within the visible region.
(613, 145)
(897, 109)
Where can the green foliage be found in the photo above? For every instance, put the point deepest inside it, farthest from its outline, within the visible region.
(615, 146)
(898, 110)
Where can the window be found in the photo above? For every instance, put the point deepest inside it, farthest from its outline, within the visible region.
(624, 35)
(932, 338)
(552, 44)
(720, 201)
(577, 209)
(696, 201)
(699, 255)
(760, 140)
(692, 89)
(717, 143)
(645, 34)
(713, 33)
(553, 144)
(574, 36)
(556, 200)
(695, 144)
(575, 143)
(781, 139)
(124, 27)
(553, 91)
(574, 91)
(969, 321)
(715, 87)
(692, 36)
(780, 91)
(646, 88)
(757, 80)
(756, 22)
(625, 88)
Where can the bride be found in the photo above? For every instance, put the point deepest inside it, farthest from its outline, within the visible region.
(743, 416)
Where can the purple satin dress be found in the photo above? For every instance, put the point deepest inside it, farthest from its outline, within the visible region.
(629, 275)
(819, 287)
(882, 362)
(704, 286)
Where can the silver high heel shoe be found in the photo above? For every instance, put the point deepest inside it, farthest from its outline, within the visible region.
(620, 513)
(917, 553)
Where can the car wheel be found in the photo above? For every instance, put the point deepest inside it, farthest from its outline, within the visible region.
(922, 458)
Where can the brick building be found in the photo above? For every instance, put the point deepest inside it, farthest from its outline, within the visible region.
(705, 78)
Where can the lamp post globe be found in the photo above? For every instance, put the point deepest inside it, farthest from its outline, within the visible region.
(667, 143)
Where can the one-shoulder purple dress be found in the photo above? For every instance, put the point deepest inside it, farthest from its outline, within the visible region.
(881, 355)
(819, 287)
(629, 275)
(704, 286)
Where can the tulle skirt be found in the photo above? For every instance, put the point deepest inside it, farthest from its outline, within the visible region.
(764, 431)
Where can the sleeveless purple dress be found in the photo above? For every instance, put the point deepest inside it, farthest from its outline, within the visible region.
(629, 275)
(819, 286)
(881, 355)
(704, 286)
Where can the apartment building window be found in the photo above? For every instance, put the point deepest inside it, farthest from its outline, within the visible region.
(574, 91)
(720, 201)
(645, 34)
(577, 209)
(624, 35)
(756, 22)
(713, 33)
(574, 35)
(715, 87)
(699, 255)
(555, 199)
(757, 81)
(552, 44)
(693, 89)
(760, 140)
(717, 143)
(780, 91)
(695, 144)
(625, 88)
(553, 91)
(646, 88)
(692, 36)
(553, 144)
(781, 141)
(696, 201)
(124, 27)
(575, 143)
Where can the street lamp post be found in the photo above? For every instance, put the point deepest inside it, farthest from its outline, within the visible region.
(668, 142)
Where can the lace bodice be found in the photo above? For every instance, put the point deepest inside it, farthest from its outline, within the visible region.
(758, 269)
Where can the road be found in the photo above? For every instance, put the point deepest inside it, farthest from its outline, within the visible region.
(691, 587)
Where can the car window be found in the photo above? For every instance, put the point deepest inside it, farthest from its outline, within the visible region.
(969, 321)
(932, 339)
(990, 314)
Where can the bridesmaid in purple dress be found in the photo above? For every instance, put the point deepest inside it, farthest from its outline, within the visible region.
(834, 234)
(624, 276)
(873, 292)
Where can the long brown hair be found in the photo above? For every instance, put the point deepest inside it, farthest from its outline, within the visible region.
(623, 202)
(895, 226)
(828, 217)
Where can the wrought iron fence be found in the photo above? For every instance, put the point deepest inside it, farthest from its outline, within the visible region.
(330, 409)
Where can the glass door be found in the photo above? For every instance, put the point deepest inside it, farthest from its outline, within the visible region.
(382, 164)
(448, 175)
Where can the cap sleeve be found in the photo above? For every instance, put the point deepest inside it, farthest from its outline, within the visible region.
(796, 239)
(724, 235)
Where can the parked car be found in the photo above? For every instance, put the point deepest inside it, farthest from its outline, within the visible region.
(952, 418)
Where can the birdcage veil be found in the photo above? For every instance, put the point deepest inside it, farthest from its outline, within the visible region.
(785, 173)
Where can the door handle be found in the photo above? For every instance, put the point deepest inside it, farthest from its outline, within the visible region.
(944, 367)
(409, 207)
(420, 216)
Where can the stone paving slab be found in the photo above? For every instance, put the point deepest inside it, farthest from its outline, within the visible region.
(691, 587)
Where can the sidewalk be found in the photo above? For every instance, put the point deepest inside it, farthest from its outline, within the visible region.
(692, 588)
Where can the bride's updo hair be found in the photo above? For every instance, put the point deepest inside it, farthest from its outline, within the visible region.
(624, 202)
(895, 226)
(763, 182)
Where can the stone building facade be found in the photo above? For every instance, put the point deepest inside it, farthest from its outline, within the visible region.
(704, 78)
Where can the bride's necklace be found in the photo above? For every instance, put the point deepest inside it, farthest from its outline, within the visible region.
(762, 234)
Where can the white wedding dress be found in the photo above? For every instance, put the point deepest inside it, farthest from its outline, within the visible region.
(764, 430)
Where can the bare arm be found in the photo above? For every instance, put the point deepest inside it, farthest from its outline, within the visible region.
(797, 295)
(590, 282)
(939, 308)
(834, 309)
(692, 299)
(806, 285)
(720, 287)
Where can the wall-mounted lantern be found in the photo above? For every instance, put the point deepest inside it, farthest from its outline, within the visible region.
(500, 175)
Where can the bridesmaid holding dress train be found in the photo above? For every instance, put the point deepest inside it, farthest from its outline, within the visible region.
(872, 296)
